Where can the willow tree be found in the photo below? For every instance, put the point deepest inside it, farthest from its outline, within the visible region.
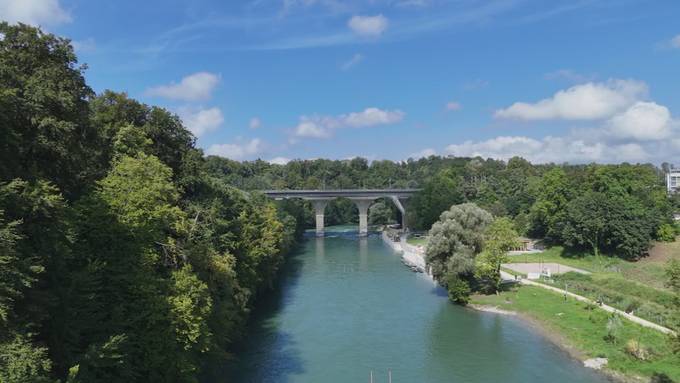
(455, 240)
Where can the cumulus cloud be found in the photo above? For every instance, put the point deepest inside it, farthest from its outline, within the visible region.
(371, 117)
(195, 87)
(354, 61)
(255, 123)
(279, 160)
(368, 26)
(201, 121)
(499, 147)
(312, 128)
(587, 101)
(452, 106)
(550, 149)
(35, 12)
(637, 134)
(642, 121)
(626, 128)
(323, 126)
(675, 42)
(237, 151)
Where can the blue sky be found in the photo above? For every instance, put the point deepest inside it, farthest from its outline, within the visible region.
(553, 81)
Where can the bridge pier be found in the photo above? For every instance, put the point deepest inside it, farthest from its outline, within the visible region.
(363, 204)
(319, 208)
(402, 211)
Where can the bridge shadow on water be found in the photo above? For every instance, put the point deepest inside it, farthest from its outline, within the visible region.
(265, 354)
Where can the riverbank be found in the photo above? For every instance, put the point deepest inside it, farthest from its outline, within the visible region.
(581, 330)
(412, 256)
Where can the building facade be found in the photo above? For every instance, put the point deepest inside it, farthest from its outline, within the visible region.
(673, 180)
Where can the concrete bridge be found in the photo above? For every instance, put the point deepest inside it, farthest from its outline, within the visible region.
(363, 198)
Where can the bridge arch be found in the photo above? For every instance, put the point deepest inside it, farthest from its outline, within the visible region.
(362, 198)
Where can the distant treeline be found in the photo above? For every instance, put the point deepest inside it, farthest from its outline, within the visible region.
(121, 258)
(616, 209)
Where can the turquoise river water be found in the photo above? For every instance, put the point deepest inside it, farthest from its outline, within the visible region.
(346, 306)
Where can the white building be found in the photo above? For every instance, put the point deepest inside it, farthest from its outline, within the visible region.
(673, 180)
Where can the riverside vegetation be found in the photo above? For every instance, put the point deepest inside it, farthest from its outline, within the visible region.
(121, 258)
(127, 255)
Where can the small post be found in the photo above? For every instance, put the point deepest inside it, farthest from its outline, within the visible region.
(389, 376)
(371, 376)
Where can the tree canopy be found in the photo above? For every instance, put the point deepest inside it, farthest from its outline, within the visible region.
(122, 257)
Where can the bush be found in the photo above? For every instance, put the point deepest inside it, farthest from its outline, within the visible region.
(661, 378)
(458, 288)
(666, 233)
(637, 350)
(614, 326)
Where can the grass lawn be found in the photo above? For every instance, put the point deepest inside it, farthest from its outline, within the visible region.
(417, 241)
(583, 328)
(648, 271)
(630, 296)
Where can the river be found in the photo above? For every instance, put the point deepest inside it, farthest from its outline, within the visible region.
(346, 306)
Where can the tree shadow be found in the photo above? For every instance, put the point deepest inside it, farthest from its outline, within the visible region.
(439, 291)
(266, 353)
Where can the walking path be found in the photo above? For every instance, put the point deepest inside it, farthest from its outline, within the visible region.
(630, 317)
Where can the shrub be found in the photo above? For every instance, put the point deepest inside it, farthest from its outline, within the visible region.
(666, 233)
(458, 288)
(614, 326)
(637, 350)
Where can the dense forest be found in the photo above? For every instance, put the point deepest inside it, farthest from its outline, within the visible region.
(127, 255)
(121, 258)
(614, 209)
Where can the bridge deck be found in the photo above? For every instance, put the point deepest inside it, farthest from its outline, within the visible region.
(349, 193)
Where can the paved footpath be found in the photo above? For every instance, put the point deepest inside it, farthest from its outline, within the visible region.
(630, 317)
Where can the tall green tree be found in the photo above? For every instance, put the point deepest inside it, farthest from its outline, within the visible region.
(499, 238)
(437, 195)
(44, 101)
(455, 240)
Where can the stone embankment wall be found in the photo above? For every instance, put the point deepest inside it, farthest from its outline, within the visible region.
(412, 256)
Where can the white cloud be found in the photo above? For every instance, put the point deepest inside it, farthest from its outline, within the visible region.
(452, 106)
(642, 121)
(195, 87)
(550, 149)
(423, 153)
(323, 126)
(675, 42)
(371, 117)
(368, 26)
(312, 129)
(499, 147)
(355, 60)
(237, 151)
(279, 160)
(35, 12)
(255, 123)
(581, 102)
(201, 121)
